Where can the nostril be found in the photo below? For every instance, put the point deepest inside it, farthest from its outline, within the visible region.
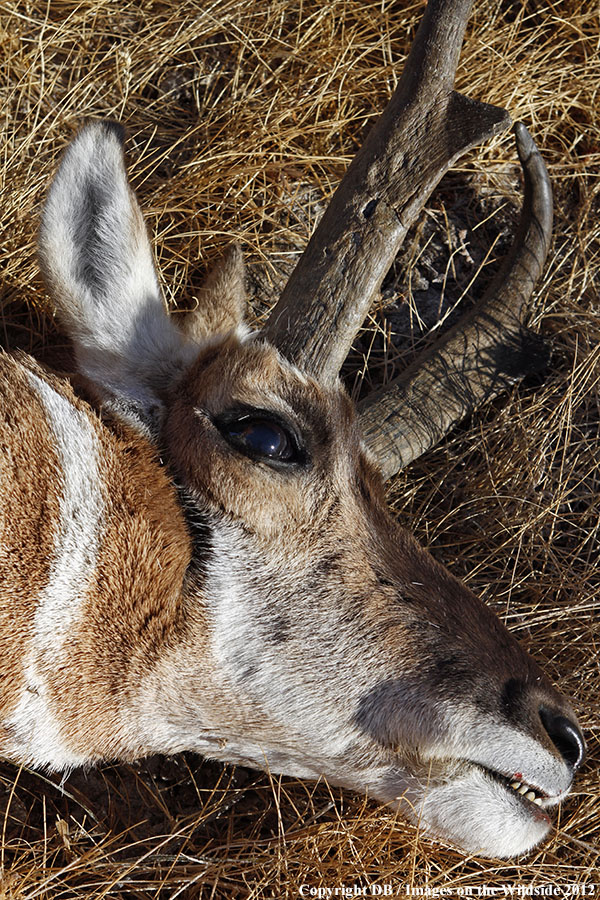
(565, 735)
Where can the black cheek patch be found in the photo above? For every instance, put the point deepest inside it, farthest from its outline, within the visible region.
(398, 711)
(200, 533)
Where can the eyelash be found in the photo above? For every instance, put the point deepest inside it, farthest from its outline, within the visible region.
(235, 427)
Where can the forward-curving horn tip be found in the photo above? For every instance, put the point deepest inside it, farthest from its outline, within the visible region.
(482, 354)
(525, 143)
(538, 188)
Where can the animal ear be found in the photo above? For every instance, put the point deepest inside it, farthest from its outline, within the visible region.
(221, 299)
(97, 260)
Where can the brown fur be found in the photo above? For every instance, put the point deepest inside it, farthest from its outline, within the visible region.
(279, 617)
(136, 607)
(30, 482)
(221, 299)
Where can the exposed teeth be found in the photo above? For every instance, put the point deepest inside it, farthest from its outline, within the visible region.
(527, 792)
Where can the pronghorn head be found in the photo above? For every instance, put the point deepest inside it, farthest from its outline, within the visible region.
(315, 636)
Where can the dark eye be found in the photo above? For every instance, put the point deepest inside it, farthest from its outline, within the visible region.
(261, 438)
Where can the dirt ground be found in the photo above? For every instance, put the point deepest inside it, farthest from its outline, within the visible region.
(242, 117)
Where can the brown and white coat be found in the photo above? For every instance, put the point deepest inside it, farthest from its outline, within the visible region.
(198, 556)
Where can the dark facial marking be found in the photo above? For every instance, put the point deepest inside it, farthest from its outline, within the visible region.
(397, 711)
(279, 631)
(200, 532)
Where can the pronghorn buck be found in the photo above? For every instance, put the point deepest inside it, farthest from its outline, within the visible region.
(196, 552)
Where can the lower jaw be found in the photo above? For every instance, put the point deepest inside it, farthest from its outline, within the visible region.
(532, 808)
(508, 846)
(511, 836)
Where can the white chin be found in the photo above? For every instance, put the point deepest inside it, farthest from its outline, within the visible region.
(479, 815)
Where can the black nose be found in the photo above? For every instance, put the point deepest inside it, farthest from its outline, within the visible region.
(565, 735)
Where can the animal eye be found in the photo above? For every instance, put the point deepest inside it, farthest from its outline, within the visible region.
(261, 438)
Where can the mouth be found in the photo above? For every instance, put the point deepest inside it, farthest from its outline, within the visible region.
(480, 809)
(533, 798)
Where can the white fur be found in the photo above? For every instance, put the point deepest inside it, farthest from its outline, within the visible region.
(480, 815)
(35, 732)
(33, 724)
(81, 518)
(100, 265)
(225, 689)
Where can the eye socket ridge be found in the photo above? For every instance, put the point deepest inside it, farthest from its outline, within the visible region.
(263, 436)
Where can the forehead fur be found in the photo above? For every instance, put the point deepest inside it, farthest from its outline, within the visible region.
(234, 375)
(254, 373)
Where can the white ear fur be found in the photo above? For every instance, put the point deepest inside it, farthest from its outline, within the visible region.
(96, 257)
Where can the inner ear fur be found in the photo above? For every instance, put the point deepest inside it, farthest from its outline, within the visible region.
(97, 260)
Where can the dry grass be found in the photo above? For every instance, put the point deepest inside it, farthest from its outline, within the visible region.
(242, 117)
